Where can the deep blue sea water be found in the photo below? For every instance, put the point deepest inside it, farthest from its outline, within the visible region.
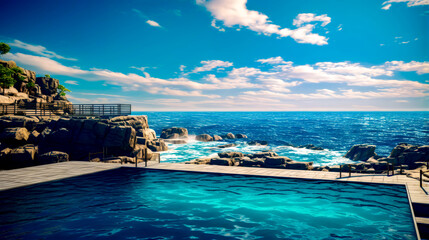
(334, 131)
(131, 203)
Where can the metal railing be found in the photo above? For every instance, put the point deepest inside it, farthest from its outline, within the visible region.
(49, 109)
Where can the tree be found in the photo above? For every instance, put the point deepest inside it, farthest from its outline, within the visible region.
(8, 76)
(62, 90)
(47, 76)
(4, 48)
(30, 85)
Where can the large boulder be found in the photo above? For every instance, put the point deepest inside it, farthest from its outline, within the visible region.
(230, 154)
(174, 132)
(157, 145)
(19, 157)
(48, 85)
(409, 154)
(204, 138)
(53, 157)
(278, 160)
(222, 161)
(18, 135)
(217, 138)
(299, 165)
(120, 136)
(361, 152)
(239, 135)
(229, 136)
(247, 162)
(264, 155)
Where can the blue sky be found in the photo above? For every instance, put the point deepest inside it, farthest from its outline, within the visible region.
(228, 55)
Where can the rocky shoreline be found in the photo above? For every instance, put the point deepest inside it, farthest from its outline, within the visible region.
(409, 158)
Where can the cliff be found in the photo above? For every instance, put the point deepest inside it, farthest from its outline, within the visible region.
(24, 141)
(43, 89)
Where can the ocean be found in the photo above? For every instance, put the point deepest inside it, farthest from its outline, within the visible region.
(336, 132)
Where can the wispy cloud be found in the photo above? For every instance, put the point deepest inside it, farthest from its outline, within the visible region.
(210, 65)
(143, 69)
(146, 18)
(38, 49)
(235, 13)
(153, 23)
(353, 80)
(410, 3)
(71, 82)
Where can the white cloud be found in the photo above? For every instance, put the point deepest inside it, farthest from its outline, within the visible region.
(153, 23)
(210, 65)
(71, 82)
(235, 13)
(386, 7)
(401, 101)
(410, 3)
(278, 82)
(311, 17)
(340, 27)
(143, 69)
(273, 60)
(405, 42)
(182, 68)
(38, 49)
(217, 27)
(413, 66)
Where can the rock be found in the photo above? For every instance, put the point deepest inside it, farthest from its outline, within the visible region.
(230, 154)
(174, 132)
(34, 137)
(222, 161)
(176, 141)
(230, 136)
(247, 162)
(140, 152)
(227, 145)
(19, 157)
(48, 86)
(14, 136)
(361, 152)
(53, 157)
(157, 145)
(311, 147)
(372, 161)
(258, 143)
(120, 136)
(409, 154)
(146, 133)
(217, 138)
(299, 165)
(199, 161)
(204, 138)
(278, 160)
(264, 154)
(239, 135)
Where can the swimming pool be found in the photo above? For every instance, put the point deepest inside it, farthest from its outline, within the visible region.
(130, 203)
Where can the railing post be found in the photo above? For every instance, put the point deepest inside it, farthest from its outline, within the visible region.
(145, 157)
(393, 170)
(421, 178)
(350, 170)
(341, 166)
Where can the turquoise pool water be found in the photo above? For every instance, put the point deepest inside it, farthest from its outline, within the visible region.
(132, 203)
